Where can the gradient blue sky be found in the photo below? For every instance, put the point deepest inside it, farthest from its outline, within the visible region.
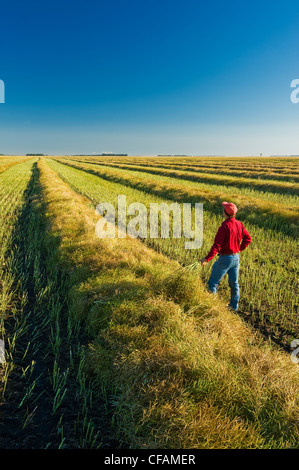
(149, 77)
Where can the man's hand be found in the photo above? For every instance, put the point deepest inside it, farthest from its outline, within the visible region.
(203, 261)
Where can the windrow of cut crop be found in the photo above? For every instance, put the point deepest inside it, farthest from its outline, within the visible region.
(261, 164)
(266, 186)
(264, 167)
(178, 368)
(263, 213)
(207, 182)
(6, 164)
(277, 175)
(268, 274)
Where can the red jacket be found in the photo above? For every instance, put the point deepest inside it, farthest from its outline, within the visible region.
(232, 237)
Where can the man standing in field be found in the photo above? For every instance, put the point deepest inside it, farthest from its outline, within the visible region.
(231, 238)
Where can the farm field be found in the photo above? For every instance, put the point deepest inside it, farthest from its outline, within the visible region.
(115, 343)
(270, 275)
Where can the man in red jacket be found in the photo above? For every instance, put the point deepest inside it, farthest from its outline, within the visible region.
(231, 238)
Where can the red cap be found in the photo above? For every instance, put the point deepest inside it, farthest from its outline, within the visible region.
(230, 208)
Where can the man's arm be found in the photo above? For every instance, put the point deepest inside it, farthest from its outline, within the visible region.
(246, 240)
(216, 247)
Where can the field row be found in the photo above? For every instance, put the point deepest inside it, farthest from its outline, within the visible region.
(256, 175)
(259, 187)
(181, 370)
(13, 185)
(7, 163)
(115, 344)
(45, 398)
(278, 170)
(269, 275)
(264, 213)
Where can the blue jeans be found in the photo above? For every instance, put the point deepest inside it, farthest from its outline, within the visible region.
(226, 264)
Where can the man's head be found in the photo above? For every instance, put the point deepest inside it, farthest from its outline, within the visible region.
(229, 209)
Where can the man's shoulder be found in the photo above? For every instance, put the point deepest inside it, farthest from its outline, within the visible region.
(233, 222)
(238, 222)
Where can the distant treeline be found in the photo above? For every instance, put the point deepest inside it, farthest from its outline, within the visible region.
(35, 155)
(101, 155)
(114, 154)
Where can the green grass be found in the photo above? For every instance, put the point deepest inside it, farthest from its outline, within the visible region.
(13, 183)
(44, 371)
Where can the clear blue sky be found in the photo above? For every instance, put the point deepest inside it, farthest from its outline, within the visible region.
(149, 77)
